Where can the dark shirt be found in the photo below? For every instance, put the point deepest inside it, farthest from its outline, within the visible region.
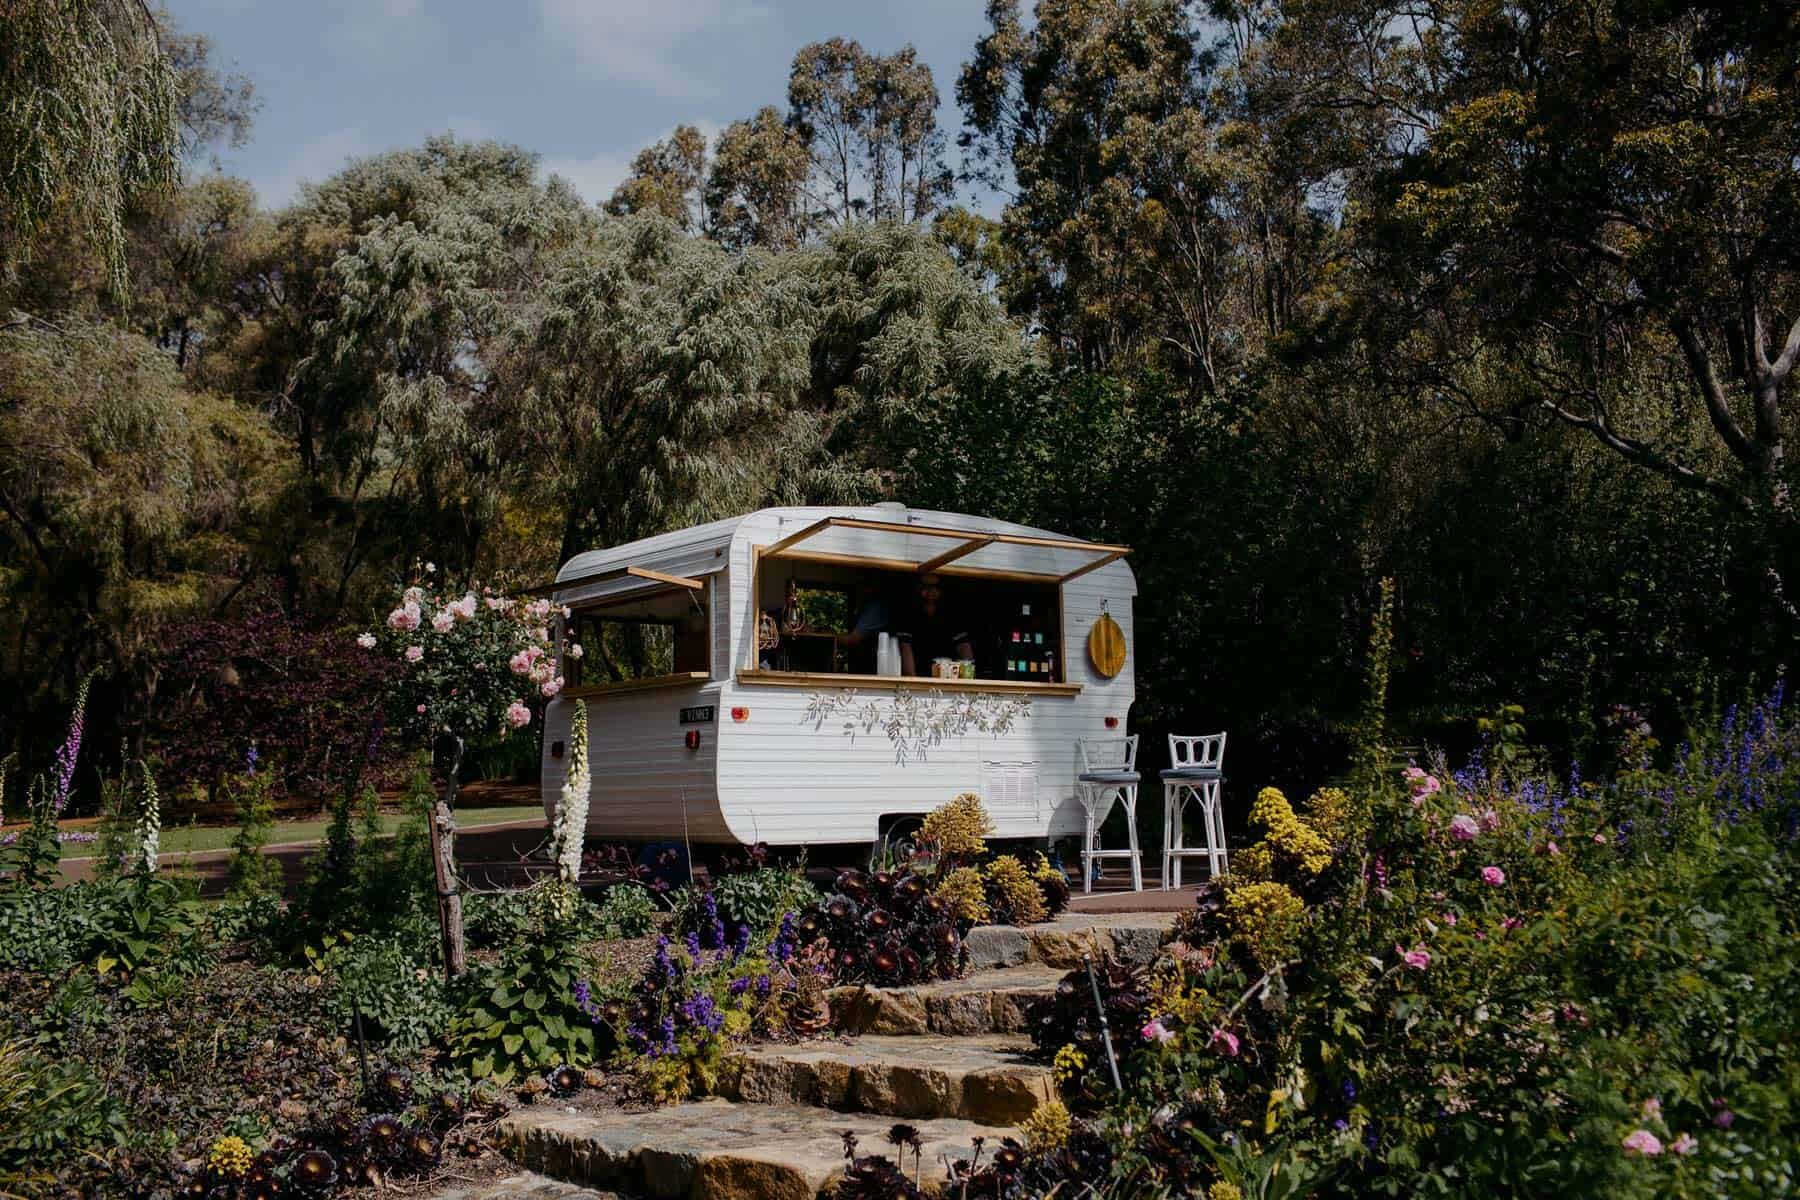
(934, 635)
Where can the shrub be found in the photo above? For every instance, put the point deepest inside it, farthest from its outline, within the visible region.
(250, 871)
(49, 1108)
(1264, 919)
(627, 911)
(401, 998)
(755, 899)
(886, 927)
(962, 890)
(1013, 897)
(957, 830)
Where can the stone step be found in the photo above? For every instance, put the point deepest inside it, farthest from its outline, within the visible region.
(1132, 938)
(524, 1185)
(715, 1149)
(986, 1079)
(991, 1001)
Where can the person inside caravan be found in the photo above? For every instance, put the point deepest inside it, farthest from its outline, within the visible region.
(874, 616)
(926, 632)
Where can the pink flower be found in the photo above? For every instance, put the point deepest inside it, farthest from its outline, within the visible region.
(1685, 1145)
(551, 687)
(366, 641)
(1493, 876)
(498, 603)
(420, 709)
(414, 653)
(464, 609)
(1652, 1109)
(1450, 919)
(1599, 839)
(1226, 1043)
(520, 663)
(1490, 820)
(442, 620)
(405, 618)
(517, 715)
(1418, 958)
(1551, 850)
(1463, 827)
(1512, 923)
(1642, 1141)
(1421, 784)
(1155, 1031)
(574, 650)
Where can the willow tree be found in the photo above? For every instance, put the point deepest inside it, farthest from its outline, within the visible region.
(90, 120)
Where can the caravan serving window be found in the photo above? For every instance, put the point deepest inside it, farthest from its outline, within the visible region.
(662, 635)
(988, 602)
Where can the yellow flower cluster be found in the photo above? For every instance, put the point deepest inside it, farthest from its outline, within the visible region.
(229, 1156)
(958, 828)
(1288, 835)
(961, 889)
(1176, 996)
(1047, 1127)
(1043, 869)
(1265, 920)
(1016, 893)
(1069, 1062)
(1334, 815)
(1224, 1189)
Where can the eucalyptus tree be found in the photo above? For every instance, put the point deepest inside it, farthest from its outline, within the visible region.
(755, 189)
(667, 178)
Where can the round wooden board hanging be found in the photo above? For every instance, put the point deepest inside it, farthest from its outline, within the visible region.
(1106, 646)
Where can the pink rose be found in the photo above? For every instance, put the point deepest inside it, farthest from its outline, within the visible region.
(1652, 1109)
(1599, 839)
(1155, 1031)
(1226, 1043)
(464, 609)
(1418, 959)
(414, 653)
(574, 650)
(520, 663)
(551, 687)
(366, 641)
(1490, 820)
(1642, 1141)
(1493, 876)
(517, 715)
(498, 603)
(405, 618)
(420, 709)
(1551, 850)
(1685, 1145)
(442, 620)
(1463, 827)
(1450, 919)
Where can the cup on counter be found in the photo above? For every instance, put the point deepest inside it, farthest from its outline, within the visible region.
(965, 668)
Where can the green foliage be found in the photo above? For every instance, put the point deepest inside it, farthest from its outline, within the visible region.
(145, 921)
(520, 1017)
(50, 1109)
(754, 899)
(250, 871)
(627, 911)
(90, 123)
(401, 997)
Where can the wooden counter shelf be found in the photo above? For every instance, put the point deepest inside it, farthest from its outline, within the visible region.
(581, 691)
(922, 683)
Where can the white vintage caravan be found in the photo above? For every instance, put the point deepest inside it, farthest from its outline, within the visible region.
(728, 701)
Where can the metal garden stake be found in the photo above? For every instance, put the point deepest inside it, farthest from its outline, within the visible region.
(1112, 1062)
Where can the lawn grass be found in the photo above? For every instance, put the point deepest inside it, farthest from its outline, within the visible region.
(183, 839)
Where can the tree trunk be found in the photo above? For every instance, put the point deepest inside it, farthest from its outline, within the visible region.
(443, 857)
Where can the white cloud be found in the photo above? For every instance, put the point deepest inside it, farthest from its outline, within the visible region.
(649, 42)
(313, 160)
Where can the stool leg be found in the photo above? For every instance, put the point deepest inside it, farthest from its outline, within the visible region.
(1087, 844)
(1129, 795)
(1168, 824)
(1215, 831)
(1218, 816)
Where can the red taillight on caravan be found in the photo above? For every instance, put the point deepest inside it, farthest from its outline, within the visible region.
(1112, 722)
(692, 739)
(740, 714)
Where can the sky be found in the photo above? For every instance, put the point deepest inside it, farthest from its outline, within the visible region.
(583, 83)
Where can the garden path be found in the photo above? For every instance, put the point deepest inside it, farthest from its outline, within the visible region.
(947, 1057)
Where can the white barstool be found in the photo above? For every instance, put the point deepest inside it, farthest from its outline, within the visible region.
(1196, 768)
(1107, 772)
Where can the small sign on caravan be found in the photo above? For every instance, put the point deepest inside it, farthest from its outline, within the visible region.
(700, 715)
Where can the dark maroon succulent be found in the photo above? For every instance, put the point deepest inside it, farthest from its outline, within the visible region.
(911, 965)
(852, 883)
(945, 939)
(314, 1171)
(842, 909)
(381, 1135)
(810, 928)
(448, 1105)
(392, 1088)
(885, 962)
(422, 1147)
(565, 1080)
(879, 920)
(909, 891)
(935, 909)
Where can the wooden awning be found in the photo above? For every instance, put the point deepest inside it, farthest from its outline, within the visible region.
(662, 577)
(964, 542)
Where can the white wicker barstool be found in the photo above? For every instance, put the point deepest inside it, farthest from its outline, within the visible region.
(1107, 772)
(1196, 768)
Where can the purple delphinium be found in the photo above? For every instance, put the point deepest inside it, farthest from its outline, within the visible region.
(739, 986)
(763, 986)
(782, 948)
(250, 760)
(740, 941)
(712, 929)
(701, 1013)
